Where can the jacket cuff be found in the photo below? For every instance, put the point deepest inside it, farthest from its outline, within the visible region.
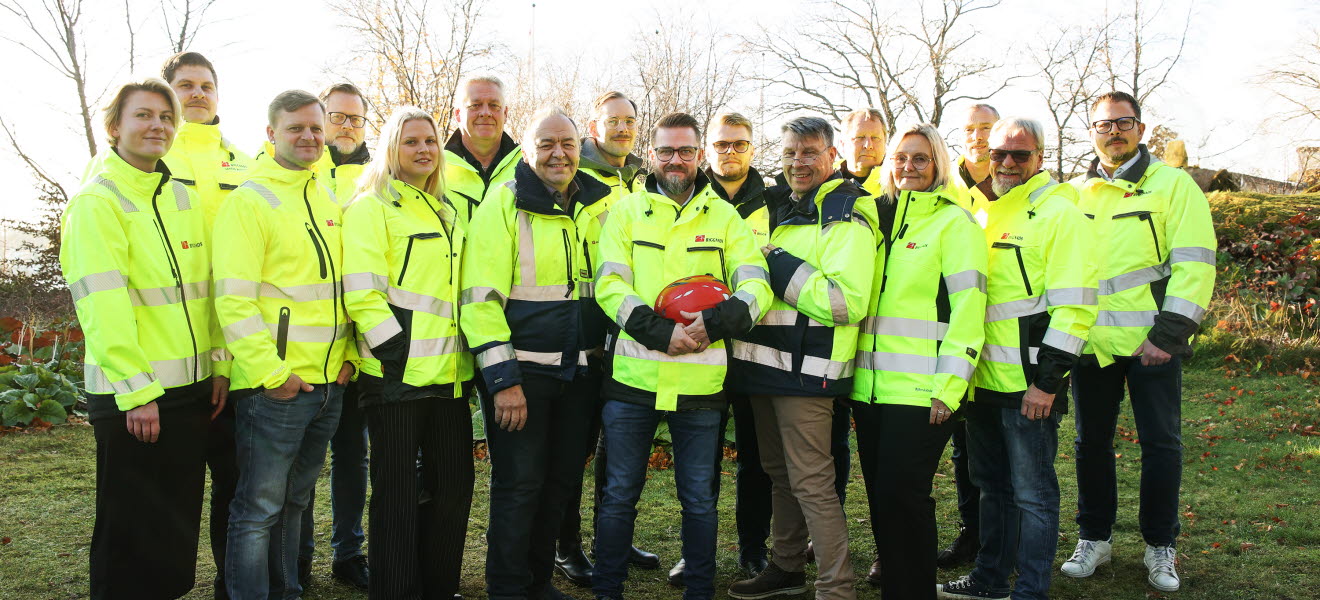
(1052, 366)
(782, 267)
(728, 319)
(142, 397)
(649, 328)
(498, 365)
(391, 349)
(1171, 333)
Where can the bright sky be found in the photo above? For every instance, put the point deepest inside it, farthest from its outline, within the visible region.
(261, 48)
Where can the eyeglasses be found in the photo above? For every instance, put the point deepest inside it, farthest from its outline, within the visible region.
(807, 158)
(1107, 125)
(686, 153)
(614, 122)
(338, 118)
(738, 146)
(918, 162)
(1019, 156)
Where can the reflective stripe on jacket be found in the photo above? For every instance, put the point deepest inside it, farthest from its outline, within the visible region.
(925, 323)
(1156, 257)
(1041, 292)
(135, 252)
(649, 242)
(821, 273)
(278, 263)
(208, 163)
(522, 282)
(403, 253)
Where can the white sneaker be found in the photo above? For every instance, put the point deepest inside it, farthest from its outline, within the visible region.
(1088, 555)
(1160, 561)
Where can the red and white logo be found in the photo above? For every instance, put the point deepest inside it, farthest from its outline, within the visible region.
(224, 163)
(700, 238)
(185, 244)
(1004, 237)
(329, 222)
(912, 245)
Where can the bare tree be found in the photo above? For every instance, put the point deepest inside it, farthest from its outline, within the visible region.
(184, 19)
(1297, 81)
(561, 83)
(1129, 56)
(58, 45)
(945, 59)
(1069, 79)
(406, 61)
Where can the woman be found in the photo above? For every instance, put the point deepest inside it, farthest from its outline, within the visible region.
(916, 352)
(403, 246)
(136, 256)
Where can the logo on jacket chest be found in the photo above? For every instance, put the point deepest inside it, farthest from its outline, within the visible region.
(189, 245)
(1011, 237)
(916, 245)
(330, 223)
(706, 238)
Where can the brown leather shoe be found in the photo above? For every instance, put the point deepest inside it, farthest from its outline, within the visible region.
(873, 576)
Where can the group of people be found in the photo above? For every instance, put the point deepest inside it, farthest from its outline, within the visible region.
(245, 314)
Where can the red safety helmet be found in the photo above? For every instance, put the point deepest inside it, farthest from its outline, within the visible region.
(691, 294)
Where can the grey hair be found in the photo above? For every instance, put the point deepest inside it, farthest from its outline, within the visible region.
(939, 156)
(541, 114)
(981, 105)
(808, 127)
(289, 101)
(491, 79)
(863, 114)
(1030, 126)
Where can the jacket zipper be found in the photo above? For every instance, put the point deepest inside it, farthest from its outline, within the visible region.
(320, 255)
(315, 232)
(407, 256)
(282, 332)
(568, 262)
(1022, 265)
(889, 249)
(176, 271)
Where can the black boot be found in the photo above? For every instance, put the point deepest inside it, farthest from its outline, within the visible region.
(962, 551)
(676, 574)
(572, 563)
(643, 559)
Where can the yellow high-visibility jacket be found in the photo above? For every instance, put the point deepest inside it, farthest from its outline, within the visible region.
(466, 184)
(622, 180)
(523, 305)
(278, 264)
(135, 251)
(211, 165)
(340, 179)
(870, 183)
(925, 324)
(821, 272)
(969, 194)
(1041, 292)
(649, 242)
(1156, 257)
(403, 255)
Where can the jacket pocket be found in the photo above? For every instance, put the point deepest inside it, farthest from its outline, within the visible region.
(1149, 218)
(320, 252)
(282, 333)
(408, 250)
(719, 252)
(1021, 263)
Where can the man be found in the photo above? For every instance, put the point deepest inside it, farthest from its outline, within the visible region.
(524, 320)
(973, 169)
(1041, 304)
(607, 156)
(204, 160)
(1157, 270)
(345, 157)
(863, 148)
(278, 301)
(675, 228)
(479, 155)
(799, 360)
(730, 150)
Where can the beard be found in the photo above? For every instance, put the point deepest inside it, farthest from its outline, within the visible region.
(344, 147)
(674, 183)
(1001, 186)
(1121, 159)
(732, 173)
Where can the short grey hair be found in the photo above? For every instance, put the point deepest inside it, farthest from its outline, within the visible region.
(1030, 126)
(541, 114)
(862, 114)
(289, 101)
(808, 127)
(491, 79)
(976, 107)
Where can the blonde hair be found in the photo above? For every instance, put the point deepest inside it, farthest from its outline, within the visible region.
(376, 178)
(732, 119)
(114, 111)
(939, 157)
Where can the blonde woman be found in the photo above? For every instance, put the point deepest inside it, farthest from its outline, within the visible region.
(403, 248)
(136, 255)
(916, 352)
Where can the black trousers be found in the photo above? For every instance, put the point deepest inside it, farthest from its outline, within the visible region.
(149, 504)
(570, 527)
(417, 548)
(899, 451)
(222, 459)
(534, 473)
(969, 496)
(752, 508)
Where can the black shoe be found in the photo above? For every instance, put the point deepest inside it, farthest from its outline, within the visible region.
(751, 567)
(773, 581)
(574, 566)
(966, 589)
(353, 571)
(676, 573)
(962, 551)
(304, 572)
(220, 592)
(554, 593)
(643, 559)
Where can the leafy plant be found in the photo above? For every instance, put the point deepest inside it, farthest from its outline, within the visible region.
(35, 391)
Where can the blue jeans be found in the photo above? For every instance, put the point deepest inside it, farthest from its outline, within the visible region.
(348, 485)
(1156, 394)
(281, 448)
(629, 439)
(1012, 462)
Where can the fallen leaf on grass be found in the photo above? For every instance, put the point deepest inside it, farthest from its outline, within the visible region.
(5, 541)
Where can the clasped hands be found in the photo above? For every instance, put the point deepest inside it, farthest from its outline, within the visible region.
(687, 339)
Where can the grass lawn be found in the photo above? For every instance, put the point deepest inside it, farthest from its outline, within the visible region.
(1251, 509)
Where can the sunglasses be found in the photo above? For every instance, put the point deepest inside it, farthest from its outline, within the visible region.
(1019, 156)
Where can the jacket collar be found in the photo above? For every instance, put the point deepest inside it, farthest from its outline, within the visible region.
(131, 181)
(591, 159)
(455, 145)
(530, 193)
(1023, 194)
(267, 168)
(752, 190)
(920, 203)
(698, 187)
(1132, 175)
(359, 156)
